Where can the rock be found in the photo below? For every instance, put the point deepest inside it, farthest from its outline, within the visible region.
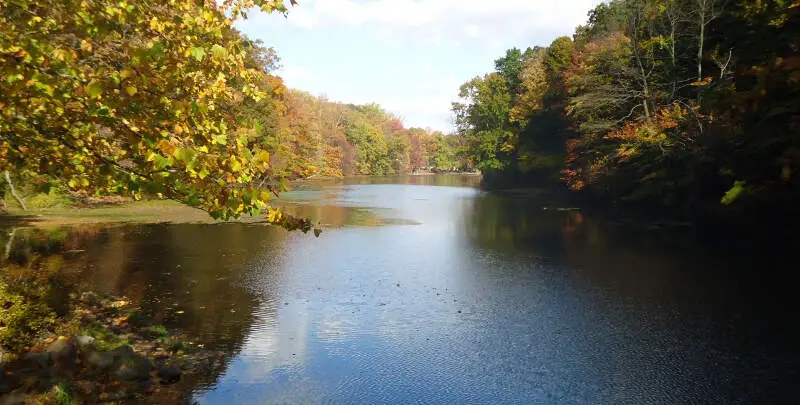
(84, 341)
(37, 360)
(8, 383)
(100, 361)
(14, 398)
(125, 352)
(86, 388)
(168, 375)
(135, 369)
(63, 352)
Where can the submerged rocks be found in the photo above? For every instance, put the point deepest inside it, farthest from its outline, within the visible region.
(168, 375)
(84, 341)
(137, 369)
(100, 361)
(36, 360)
(63, 352)
(149, 357)
(14, 398)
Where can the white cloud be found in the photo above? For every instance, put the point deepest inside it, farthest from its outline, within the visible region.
(410, 56)
(451, 20)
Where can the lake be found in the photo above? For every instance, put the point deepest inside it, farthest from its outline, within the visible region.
(425, 289)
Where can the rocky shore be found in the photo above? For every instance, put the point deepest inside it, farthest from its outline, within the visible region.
(115, 355)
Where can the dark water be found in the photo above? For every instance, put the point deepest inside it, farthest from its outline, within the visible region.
(435, 292)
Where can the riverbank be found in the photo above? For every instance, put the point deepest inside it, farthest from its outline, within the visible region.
(101, 349)
(155, 211)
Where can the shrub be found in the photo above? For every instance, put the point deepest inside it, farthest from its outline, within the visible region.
(23, 317)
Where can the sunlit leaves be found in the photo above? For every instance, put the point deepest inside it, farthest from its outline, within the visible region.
(197, 52)
(94, 89)
(136, 98)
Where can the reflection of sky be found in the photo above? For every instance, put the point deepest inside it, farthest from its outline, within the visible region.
(427, 314)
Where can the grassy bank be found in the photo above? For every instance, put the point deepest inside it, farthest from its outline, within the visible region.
(133, 212)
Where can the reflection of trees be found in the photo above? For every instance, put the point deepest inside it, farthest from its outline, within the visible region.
(637, 261)
(187, 277)
(503, 224)
(454, 180)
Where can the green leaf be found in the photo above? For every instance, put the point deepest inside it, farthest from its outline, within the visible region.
(94, 89)
(734, 193)
(219, 52)
(221, 139)
(197, 53)
(186, 155)
(160, 161)
(235, 165)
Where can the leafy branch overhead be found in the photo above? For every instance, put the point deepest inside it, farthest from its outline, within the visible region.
(137, 98)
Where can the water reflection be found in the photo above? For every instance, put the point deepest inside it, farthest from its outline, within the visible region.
(189, 277)
(458, 296)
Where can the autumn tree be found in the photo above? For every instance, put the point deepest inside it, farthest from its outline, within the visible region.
(132, 98)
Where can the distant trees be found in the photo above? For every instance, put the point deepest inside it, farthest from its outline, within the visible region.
(320, 137)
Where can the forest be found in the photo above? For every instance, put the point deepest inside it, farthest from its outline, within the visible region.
(682, 107)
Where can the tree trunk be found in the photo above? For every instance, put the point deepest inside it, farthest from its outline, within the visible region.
(14, 191)
(700, 45)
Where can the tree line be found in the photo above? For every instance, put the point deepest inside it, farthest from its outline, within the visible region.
(683, 106)
(315, 136)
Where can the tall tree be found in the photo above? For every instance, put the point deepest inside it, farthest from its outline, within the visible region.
(482, 118)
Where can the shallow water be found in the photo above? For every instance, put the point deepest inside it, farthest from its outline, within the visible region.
(426, 290)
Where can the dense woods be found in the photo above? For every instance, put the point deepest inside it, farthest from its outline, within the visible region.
(682, 106)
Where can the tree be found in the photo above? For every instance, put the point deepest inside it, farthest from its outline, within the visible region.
(132, 97)
(483, 120)
(511, 65)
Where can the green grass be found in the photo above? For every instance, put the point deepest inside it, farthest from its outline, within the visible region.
(62, 394)
(158, 330)
(156, 211)
(105, 340)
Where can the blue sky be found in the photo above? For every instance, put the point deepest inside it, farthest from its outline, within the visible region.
(410, 56)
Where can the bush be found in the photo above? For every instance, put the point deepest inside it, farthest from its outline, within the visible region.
(23, 317)
(53, 199)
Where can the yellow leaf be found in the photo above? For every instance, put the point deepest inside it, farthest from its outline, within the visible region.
(235, 165)
(86, 46)
(126, 73)
(263, 158)
(166, 147)
(131, 90)
(94, 89)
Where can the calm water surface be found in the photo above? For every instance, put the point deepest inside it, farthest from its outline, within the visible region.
(427, 290)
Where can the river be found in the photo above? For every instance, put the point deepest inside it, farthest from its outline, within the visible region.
(425, 289)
